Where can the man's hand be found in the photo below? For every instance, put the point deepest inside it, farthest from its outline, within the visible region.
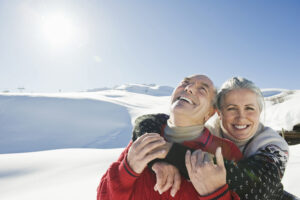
(206, 176)
(166, 147)
(166, 176)
(145, 149)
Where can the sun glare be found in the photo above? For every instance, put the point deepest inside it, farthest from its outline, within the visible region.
(59, 30)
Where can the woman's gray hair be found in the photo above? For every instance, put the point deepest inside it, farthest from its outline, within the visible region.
(238, 83)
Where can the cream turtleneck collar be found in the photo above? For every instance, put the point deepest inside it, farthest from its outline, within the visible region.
(181, 134)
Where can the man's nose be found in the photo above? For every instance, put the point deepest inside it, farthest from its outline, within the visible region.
(190, 88)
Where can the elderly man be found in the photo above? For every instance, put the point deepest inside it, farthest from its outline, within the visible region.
(191, 106)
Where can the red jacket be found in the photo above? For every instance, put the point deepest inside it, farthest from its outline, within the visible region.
(121, 182)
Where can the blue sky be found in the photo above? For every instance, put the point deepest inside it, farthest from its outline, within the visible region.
(51, 45)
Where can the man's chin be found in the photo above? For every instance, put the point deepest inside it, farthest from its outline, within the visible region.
(180, 109)
(180, 104)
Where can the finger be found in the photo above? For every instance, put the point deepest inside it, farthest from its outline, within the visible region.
(147, 148)
(188, 162)
(147, 135)
(200, 157)
(193, 161)
(160, 177)
(176, 184)
(155, 188)
(153, 155)
(140, 142)
(219, 157)
(151, 137)
(139, 139)
(167, 185)
(207, 158)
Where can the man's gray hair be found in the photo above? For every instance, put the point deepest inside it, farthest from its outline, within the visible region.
(238, 83)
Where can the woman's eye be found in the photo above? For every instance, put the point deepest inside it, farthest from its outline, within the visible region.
(249, 108)
(229, 109)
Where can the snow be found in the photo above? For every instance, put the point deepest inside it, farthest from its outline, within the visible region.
(272, 92)
(150, 89)
(58, 145)
(35, 122)
(282, 111)
(56, 174)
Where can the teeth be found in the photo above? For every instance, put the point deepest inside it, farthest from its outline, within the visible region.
(240, 126)
(186, 99)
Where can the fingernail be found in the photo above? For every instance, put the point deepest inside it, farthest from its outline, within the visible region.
(173, 193)
(155, 188)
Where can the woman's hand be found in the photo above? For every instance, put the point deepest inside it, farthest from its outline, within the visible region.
(206, 176)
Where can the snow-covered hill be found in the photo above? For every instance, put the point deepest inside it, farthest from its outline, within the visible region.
(151, 89)
(57, 146)
(35, 122)
(282, 108)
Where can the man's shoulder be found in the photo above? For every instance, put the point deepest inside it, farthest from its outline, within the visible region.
(150, 123)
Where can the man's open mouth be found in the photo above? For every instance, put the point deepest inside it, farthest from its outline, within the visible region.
(186, 100)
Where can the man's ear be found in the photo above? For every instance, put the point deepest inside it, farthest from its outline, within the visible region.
(210, 114)
(219, 113)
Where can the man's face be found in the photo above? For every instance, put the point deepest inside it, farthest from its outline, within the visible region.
(192, 99)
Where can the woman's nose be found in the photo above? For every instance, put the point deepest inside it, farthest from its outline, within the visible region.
(240, 114)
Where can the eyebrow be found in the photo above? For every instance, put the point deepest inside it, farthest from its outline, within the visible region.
(205, 85)
(251, 104)
(229, 105)
(202, 83)
(237, 105)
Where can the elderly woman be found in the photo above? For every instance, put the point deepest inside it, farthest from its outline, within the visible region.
(257, 176)
(239, 105)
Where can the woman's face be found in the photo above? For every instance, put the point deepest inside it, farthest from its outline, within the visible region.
(240, 113)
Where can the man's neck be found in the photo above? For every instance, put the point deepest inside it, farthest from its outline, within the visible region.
(183, 121)
(182, 133)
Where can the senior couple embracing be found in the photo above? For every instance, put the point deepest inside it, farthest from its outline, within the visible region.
(177, 157)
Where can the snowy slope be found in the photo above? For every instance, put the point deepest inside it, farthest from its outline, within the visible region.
(68, 174)
(282, 109)
(151, 89)
(75, 120)
(43, 123)
(57, 146)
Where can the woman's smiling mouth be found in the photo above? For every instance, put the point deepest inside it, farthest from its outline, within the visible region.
(240, 127)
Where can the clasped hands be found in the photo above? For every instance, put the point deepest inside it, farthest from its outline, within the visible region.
(205, 176)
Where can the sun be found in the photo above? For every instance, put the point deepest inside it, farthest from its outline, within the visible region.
(59, 30)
